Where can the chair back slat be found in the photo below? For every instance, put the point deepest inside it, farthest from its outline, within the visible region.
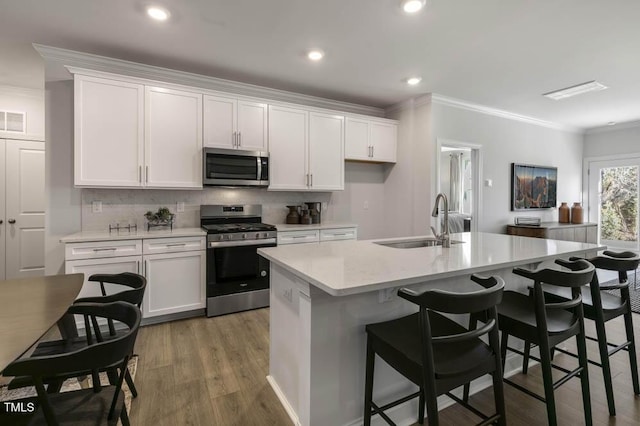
(459, 303)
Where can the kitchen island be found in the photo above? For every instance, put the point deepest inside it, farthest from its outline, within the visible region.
(323, 295)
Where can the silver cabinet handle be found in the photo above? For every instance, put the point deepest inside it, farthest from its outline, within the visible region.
(105, 249)
(306, 179)
(233, 139)
(146, 174)
(140, 174)
(373, 151)
(146, 268)
(239, 139)
(311, 179)
(138, 266)
(177, 245)
(12, 221)
(299, 236)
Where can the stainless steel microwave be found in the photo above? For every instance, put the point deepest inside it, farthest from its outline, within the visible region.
(234, 167)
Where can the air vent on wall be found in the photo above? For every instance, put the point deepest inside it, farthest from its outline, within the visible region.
(14, 122)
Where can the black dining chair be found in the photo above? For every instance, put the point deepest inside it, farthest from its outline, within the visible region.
(96, 406)
(547, 324)
(436, 353)
(134, 287)
(601, 306)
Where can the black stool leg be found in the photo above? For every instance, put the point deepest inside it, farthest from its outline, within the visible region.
(132, 387)
(525, 358)
(584, 375)
(547, 379)
(503, 348)
(633, 361)
(604, 360)
(368, 385)
(473, 322)
(421, 408)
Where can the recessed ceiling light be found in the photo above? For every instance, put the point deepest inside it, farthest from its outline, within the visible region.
(315, 54)
(578, 89)
(412, 6)
(158, 13)
(414, 80)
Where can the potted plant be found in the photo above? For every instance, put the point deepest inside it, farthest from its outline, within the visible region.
(162, 217)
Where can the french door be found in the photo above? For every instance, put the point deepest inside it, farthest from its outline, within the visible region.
(613, 201)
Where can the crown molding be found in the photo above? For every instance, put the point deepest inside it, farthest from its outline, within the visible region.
(615, 128)
(70, 58)
(409, 103)
(459, 103)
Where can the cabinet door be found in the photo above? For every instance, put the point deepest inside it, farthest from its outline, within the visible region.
(383, 138)
(173, 139)
(357, 139)
(25, 205)
(326, 152)
(220, 122)
(252, 126)
(288, 148)
(176, 283)
(88, 267)
(109, 129)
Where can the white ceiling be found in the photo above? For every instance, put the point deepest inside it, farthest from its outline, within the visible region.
(501, 53)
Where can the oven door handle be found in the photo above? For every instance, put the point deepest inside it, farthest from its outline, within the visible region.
(218, 244)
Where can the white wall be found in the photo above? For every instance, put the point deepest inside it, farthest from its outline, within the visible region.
(408, 186)
(22, 87)
(612, 141)
(63, 200)
(506, 141)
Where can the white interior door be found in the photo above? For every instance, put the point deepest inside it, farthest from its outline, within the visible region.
(3, 217)
(613, 201)
(25, 209)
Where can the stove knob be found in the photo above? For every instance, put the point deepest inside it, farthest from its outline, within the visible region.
(244, 236)
(257, 235)
(265, 235)
(220, 237)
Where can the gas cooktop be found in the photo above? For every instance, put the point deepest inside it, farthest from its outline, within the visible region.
(237, 227)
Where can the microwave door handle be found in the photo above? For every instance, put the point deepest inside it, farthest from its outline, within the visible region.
(259, 160)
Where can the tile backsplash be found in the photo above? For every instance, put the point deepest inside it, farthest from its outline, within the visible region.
(128, 206)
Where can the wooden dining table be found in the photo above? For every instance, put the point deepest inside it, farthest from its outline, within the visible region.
(29, 307)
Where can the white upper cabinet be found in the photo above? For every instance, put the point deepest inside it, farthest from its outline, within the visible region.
(109, 132)
(235, 123)
(129, 135)
(371, 140)
(326, 152)
(288, 148)
(306, 150)
(173, 138)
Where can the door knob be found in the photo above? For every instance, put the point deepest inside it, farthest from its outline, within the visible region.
(12, 221)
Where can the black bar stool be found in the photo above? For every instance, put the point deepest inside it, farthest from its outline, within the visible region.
(436, 353)
(601, 306)
(535, 321)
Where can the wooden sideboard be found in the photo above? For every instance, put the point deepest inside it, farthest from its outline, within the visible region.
(583, 232)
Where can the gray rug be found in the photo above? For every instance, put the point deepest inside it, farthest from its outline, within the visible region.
(634, 290)
(74, 384)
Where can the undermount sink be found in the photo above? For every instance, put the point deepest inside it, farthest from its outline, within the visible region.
(407, 244)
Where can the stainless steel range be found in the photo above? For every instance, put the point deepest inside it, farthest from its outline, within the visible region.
(237, 277)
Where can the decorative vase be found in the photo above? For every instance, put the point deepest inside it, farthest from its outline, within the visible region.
(293, 217)
(576, 213)
(305, 218)
(563, 213)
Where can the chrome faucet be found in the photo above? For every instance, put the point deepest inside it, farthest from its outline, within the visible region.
(444, 237)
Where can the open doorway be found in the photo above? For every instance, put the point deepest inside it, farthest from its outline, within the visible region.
(458, 176)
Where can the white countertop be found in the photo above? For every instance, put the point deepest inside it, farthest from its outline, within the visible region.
(289, 227)
(88, 236)
(351, 267)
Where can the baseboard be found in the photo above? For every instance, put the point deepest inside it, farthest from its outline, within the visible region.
(283, 400)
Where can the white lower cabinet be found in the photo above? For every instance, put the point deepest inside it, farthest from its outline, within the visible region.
(316, 235)
(175, 269)
(174, 283)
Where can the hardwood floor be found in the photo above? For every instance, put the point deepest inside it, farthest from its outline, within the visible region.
(211, 371)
